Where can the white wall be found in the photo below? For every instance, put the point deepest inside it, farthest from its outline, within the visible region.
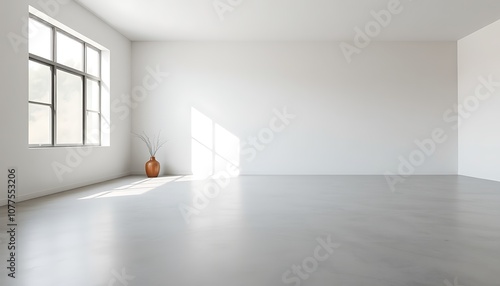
(36, 176)
(356, 118)
(479, 131)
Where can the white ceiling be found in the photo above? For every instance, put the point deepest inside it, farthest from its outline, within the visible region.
(283, 20)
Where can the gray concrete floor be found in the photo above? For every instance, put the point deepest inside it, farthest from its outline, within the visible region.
(262, 230)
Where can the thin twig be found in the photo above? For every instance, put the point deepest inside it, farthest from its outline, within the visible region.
(152, 145)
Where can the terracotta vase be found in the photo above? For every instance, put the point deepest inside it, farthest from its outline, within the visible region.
(152, 168)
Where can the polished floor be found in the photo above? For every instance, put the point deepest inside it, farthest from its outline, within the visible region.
(261, 230)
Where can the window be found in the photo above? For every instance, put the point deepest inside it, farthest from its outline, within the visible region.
(65, 87)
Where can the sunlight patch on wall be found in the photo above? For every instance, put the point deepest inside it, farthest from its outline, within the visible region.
(213, 147)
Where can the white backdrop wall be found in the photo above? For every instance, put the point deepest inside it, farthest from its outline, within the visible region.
(358, 118)
(479, 131)
(35, 166)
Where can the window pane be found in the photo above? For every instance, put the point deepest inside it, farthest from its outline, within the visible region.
(40, 39)
(93, 62)
(40, 124)
(93, 95)
(69, 51)
(40, 85)
(93, 128)
(69, 109)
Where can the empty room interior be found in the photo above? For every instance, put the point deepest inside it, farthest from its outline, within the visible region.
(250, 143)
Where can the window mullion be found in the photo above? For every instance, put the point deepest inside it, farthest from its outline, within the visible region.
(84, 94)
(84, 110)
(62, 67)
(54, 87)
(54, 44)
(100, 108)
(40, 103)
(54, 105)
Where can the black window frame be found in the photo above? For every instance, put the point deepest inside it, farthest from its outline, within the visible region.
(84, 75)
